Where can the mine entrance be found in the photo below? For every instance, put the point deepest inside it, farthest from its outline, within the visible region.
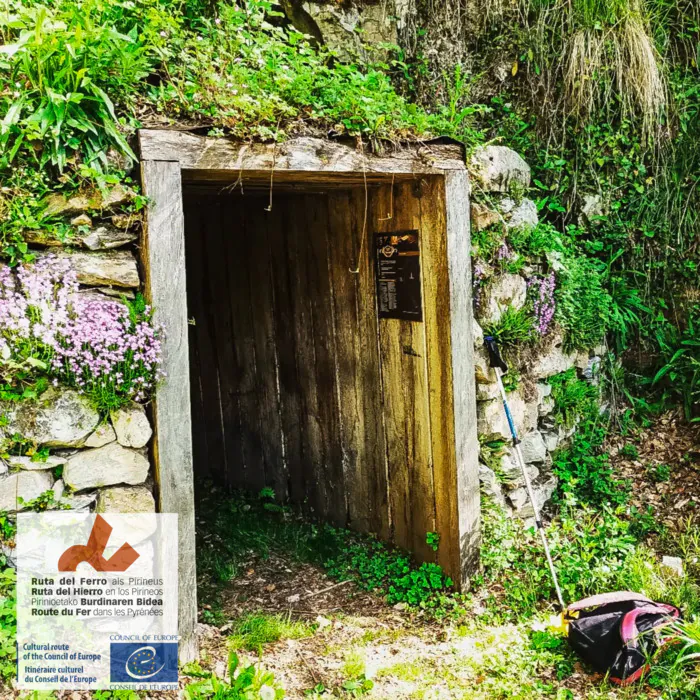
(300, 353)
(306, 375)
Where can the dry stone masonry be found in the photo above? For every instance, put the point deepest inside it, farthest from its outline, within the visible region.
(95, 463)
(501, 178)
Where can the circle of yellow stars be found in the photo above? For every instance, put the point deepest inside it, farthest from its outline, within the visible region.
(146, 660)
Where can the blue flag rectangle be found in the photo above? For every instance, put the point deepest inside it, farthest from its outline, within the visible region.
(143, 662)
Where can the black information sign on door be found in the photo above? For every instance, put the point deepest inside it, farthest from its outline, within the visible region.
(397, 257)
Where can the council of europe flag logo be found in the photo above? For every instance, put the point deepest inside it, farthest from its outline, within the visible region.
(143, 663)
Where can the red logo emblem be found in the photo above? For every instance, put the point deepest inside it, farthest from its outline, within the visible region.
(93, 551)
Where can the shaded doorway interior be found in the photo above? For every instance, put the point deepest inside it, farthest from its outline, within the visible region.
(296, 383)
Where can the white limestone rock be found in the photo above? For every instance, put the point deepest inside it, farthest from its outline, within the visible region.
(506, 291)
(107, 237)
(58, 205)
(551, 439)
(491, 417)
(533, 448)
(125, 499)
(512, 473)
(482, 368)
(591, 209)
(105, 466)
(675, 564)
(79, 502)
(482, 217)
(553, 360)
(478, 335)
(131, 425)
(490, 486)
(487, 391)
(58, 490)
(103, 435)
(499, 169)
(544, 390)
(117, 267)
(26, 463)
(59, 418)
(542, 492)
(522, 216)
(26, 485)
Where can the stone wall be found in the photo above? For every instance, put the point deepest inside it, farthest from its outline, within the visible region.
(500, 180)
(349, 26)
(96, 463)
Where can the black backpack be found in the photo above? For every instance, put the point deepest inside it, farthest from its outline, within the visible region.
(617, 633)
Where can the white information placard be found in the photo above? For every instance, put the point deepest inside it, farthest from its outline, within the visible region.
(97, 601)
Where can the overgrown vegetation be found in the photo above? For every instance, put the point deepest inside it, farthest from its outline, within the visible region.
(242, 683)
(603, 101)
(243, 522)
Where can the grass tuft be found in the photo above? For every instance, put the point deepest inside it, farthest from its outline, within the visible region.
(254, 631)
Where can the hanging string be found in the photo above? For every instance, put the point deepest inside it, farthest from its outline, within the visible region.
(364, 221)
(272, 172)
(391, 201)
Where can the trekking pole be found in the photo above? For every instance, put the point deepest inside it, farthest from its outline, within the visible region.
(500, 368)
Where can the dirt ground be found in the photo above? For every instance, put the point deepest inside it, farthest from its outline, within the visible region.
(354, 634)
(668, 443)
(405, 654)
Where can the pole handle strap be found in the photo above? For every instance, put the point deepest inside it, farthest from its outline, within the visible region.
(495, 359)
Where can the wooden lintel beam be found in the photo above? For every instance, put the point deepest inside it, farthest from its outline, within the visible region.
(302, 155)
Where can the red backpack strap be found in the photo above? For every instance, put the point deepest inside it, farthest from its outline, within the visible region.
(630, 634)
(628, 626)
(595, 601)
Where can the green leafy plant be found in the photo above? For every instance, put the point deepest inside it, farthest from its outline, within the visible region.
(681, 368)
(573, 397)
(432, 539)
(584, 470)
(72, 67)
(514, 328)
(583, 304)
(659, 473)
(243, 684)
(375, 567)
(644, 523)
(630, 450)
(8, 624)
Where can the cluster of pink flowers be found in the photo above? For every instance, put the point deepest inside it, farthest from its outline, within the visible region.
(544, 304)
(506, 253)
(478, 277)
(95, 345)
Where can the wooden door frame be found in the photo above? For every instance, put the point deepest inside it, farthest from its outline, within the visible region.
(168, 155)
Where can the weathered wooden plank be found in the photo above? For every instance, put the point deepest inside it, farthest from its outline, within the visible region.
(205, 327)
(193, 256)
(342, 245)
(303, 155)
(163, 257)
(264, 334)
(421, 504)
(329, 470)
(237, 229)
(464, 390)
(217, 315)
(368, 379)
(404, 379)
(299, 254)
(285, 341)
(436, 306)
